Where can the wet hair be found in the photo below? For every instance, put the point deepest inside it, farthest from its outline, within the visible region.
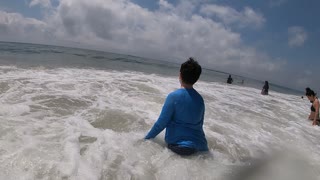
(266, 85)
(310, 92)
(308, 89)
(190, 71)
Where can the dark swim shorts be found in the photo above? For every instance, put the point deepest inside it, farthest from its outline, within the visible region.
(181, 150)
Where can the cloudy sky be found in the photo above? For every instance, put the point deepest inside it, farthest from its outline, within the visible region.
(275, 40)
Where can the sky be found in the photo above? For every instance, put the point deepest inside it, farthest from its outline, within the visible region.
(274, 40)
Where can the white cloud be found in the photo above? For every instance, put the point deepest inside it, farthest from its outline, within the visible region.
(15, 27)
(165, 5)
(246, 18)
(297, 36)
(44, 3)
(171, 32)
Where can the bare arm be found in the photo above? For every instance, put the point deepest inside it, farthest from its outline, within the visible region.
(316, 114)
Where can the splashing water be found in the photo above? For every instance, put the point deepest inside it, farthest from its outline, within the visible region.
(71, 123)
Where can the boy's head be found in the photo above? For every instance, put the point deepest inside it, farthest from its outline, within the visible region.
(190, 71)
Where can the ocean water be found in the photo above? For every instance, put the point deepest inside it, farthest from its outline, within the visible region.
(78, 114)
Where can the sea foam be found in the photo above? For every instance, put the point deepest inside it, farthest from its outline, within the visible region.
(71, 123)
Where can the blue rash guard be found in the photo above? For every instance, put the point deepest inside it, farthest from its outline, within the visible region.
(182, 115)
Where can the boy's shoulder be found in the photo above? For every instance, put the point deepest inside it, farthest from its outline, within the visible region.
(183, 92)
(177, 92)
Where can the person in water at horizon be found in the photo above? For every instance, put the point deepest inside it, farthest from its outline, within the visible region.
(183, 114)
(314, 114)
(230, 80)
(265, 88)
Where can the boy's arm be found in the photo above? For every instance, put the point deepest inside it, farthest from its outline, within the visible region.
(202, 118)
(164, 118)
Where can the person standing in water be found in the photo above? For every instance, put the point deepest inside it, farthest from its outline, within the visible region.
(265, 88)
(230, 80)
(183, 114)
(314, 114)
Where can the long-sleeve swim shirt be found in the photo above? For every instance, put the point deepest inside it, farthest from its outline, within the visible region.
(182, 115)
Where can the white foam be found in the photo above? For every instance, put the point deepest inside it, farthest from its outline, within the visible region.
(90, 124)
(13, 110)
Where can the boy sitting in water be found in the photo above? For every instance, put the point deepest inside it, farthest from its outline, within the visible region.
(182, 114)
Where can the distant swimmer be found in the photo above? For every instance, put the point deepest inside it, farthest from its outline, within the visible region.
(265, 88)
(314, 114)
(183, 114)
(230, 80)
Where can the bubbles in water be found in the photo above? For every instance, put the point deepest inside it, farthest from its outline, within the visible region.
(89, 124)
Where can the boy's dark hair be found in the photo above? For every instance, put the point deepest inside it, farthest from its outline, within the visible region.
(190, 71)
